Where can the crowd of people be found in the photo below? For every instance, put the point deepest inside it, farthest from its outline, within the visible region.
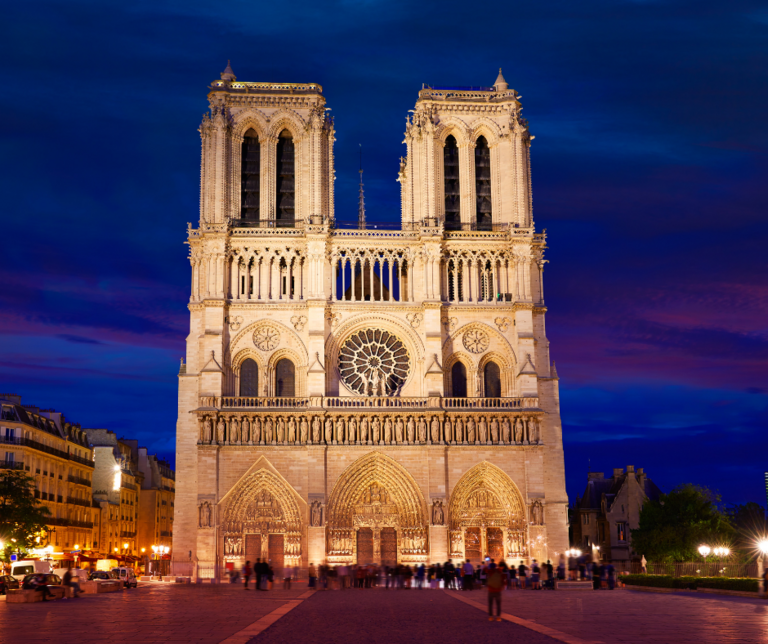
(463, 576)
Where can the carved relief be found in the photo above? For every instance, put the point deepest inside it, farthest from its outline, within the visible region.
(298, 322)
(415, 319)
(235, 322)
(266, 338)
(449, 323)
(476, 340)
(502, 323)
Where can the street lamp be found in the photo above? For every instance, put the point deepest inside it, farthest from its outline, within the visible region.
(762, 547)
(704, 550)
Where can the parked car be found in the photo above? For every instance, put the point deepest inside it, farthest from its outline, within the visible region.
(8, 583)
(101, 574)
(128, 576)
(20, 569)
(45, 579)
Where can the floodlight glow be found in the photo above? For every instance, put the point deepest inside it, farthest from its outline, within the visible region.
(762, 546)
(704, 550)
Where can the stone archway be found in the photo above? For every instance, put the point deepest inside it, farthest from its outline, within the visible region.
(262, 519)
(378, 493)
(487, 515)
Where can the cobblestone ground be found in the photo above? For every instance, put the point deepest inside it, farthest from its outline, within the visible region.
(226, 614)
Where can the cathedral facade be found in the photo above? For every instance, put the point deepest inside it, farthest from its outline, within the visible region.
(366, 394)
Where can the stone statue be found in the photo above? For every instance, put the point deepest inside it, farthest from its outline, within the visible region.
(328, 430)
(234, 430)
(388, 430)
(537, 513)
(471, 430)
(399, 431)
(316, 514)
(533, 431)
(281, 430)
(291, 430)
(316, 430)
(494, 430)
(505, 431)
(352, 431)
(422, 430)
(456, 542)
(435, 430)
(304, 430)
(518, 430)
(204, 515)
(460, 431)
(483, 430)
(208, 430)
(411, 430)
(246, 436)
(448, 428)
(269, 431)
(339, 430)
(437, 512)
(221, 429)
(376, 430)
(364, 431)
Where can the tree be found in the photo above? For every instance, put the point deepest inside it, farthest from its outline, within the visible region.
(750, 525)
(22, 516)
(674, 526)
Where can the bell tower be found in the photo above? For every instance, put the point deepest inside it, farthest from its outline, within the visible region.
(468, 159)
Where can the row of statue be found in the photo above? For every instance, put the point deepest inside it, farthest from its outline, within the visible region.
(354, 430)
(340, 542)
(414, 541)
(515, 542)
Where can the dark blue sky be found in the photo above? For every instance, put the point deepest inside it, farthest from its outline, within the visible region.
(649, 172)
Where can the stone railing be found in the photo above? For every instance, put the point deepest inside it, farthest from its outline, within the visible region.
(366, 402)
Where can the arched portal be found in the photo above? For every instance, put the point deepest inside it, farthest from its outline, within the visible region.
(487, 515)
(378, 493)
(262, 519)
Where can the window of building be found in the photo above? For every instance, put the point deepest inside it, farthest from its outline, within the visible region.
(250, 179)
(483, 184)
(459, 380)
(451, 184)
(285, 379)
(285, 210)
(492, 379)
(621, 531)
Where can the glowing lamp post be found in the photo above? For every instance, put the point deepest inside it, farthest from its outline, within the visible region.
(762, 547)
(704, 550)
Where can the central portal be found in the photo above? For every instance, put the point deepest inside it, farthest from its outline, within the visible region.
(364, 546)
(277, 552)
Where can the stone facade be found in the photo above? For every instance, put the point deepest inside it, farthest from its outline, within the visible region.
(366, 394)
(608, 511)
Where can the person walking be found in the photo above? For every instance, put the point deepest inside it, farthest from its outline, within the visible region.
(469, 574)
(495, 582)
(312, 576)
(246, 574)
(287, 573)
(74, 585)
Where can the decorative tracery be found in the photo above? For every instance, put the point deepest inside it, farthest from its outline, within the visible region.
(373, 362)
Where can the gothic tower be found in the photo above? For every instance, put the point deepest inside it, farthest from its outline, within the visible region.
(364, 394)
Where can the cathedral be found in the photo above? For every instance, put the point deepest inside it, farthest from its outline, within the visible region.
(359, 393)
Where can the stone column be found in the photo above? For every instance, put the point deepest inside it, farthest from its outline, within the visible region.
(376, 545)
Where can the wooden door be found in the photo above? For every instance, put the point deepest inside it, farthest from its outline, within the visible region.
(277, 553)
(388, 547)
(364, 546)
(252, 547)
(495, 544)
(472, 545)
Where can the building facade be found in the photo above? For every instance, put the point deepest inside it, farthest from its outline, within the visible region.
(608, 511)
(365, 394)
(57, 455)
(156, 502)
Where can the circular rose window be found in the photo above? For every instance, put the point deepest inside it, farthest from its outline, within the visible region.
(374, 363)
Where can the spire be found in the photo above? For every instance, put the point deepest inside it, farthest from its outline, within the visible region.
(361, 198)
(500, 85)
(228, 74)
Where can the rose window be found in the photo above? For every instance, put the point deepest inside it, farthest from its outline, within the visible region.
(374, 363)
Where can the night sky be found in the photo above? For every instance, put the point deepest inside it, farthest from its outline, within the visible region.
(649, 174)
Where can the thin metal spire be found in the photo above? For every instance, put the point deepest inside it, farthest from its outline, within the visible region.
(361, 198)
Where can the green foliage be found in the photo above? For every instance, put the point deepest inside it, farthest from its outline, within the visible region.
(691, 583)
(673, 527)
(22, 516)
(750, 525)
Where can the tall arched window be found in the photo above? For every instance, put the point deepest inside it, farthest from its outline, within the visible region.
(492, 380)
(451, 183)
(285, 379)
(249, 378)
(483, 184)
(285, 208)
(250, 179)
(459, 380)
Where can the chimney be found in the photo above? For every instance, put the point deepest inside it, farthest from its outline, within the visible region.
(630, 469)
(617, 472)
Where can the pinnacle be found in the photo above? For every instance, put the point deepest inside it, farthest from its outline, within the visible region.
(228, 74)
(501, 85)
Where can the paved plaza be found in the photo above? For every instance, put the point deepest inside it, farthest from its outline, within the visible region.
(226, 614)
